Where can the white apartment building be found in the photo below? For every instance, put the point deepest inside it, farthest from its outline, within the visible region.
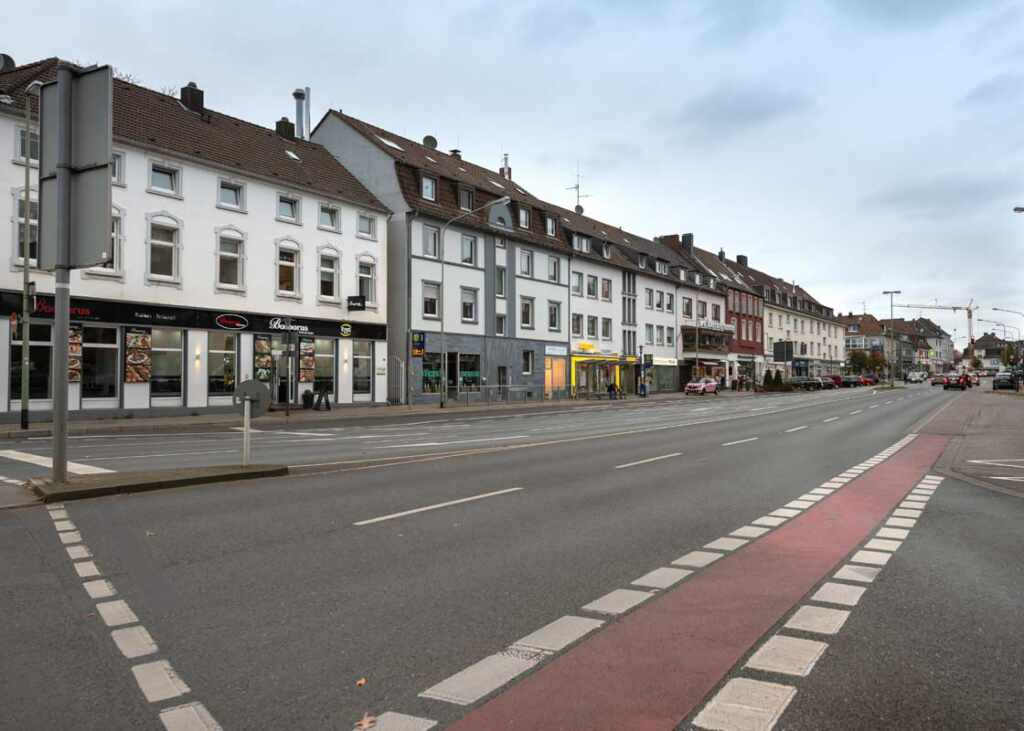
(239, 252)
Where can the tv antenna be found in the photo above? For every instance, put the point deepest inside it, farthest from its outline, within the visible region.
(579, 195)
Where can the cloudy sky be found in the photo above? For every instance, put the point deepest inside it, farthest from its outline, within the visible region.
(851, 146)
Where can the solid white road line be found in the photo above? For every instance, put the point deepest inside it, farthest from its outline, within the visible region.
(873, 406)
(458, 441)
(437, 506)
(830, 419)
(741, 441)
(645, 461)
(796, 428)
(73, 467)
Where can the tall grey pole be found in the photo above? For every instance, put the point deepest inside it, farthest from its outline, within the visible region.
(25, 256)
(444, 314)
(62, 287)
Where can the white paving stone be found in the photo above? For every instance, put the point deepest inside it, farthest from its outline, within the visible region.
(901, 522)
(71, 536)
(822, 491)
(854, 572)
(797, 504)
(811, 497)
(821, 620)
(483, 677)
(788, 655)
(882, 544)
(785, 512)
(745, 705)
(833, 484)
(158, 681)
(897, 533)
(61, 525)
(897, 513)
(134, 641)
(86, 569)
(769, 520)
(875, 558)
(56, 514)
(835, 593)
(662, 578)
(116, 613)
(195, 717)
(750, 531)
(721, 544)
(617, 601)
(909, 504)
(697, 559)
(560, 634)
(99, 589)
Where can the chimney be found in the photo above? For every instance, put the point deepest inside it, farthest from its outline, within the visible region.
(285, 128)
(506, 171)
(579, 209)
(721, 255)
(6, 63)
(309, 115)
(192, 97)
(669, 240)
(741, 259)
(300, 113)
(687, 244)
(456, 153)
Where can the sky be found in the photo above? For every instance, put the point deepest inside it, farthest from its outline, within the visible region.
(851, 146)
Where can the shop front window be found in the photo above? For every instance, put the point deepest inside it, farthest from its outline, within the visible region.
(431, 373)
(362, 366)
(167, 360)
(324, 365)
(99, 362)
(469, 372)
(221, 363)
(40, 353)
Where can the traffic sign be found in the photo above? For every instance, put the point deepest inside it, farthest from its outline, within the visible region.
(257, 394)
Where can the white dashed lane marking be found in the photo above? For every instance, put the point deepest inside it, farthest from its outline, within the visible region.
(823, 421)
(437, 506)
(740, 441)
(648, 460)
(796, 428)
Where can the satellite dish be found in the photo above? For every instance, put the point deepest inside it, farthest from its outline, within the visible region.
(579, 209)
(430, 141)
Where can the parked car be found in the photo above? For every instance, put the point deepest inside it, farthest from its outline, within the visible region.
(836, 379)
(851, 381)
(827, 382)
(702, 386)
(807, 383)
(1003, 379)
(938, 379)
(915, 377)
(955, 380)
(868, 380)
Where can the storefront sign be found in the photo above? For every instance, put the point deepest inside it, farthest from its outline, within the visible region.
(281, 323)
(231, 322)
(75, 354)
(345, 329)
(356, 303)
(419, 343)
(138, 359)
(662, 361)
(556, 350)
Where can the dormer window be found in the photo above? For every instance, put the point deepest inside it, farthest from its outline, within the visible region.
(524, 217)
(581, 243)
(642, 263)
(606, 251)
(550, 225)
(661, 266)
(682, 275)
(466, 199)
(428, 188)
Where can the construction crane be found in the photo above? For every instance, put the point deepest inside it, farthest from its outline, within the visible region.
(970, 308)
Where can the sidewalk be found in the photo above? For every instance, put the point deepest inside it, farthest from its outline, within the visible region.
(338, 416)
(987, 445)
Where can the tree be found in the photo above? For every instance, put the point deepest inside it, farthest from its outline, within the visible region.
(876, 361)
(858, 361)
(975, 363)
(1009, 355)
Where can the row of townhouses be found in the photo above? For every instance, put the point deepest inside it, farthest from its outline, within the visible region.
(355, 262)
(904, 345)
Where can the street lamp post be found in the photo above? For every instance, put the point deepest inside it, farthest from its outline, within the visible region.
(892, 293)
(26, 254)
(504, 200)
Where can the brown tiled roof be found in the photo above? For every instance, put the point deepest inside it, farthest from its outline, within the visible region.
(150, 119)
(869, 324)
(722, 270)
(412, 159)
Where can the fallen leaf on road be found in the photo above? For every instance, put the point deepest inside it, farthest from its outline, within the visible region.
(366, 722)
(150, 533)
(361, 682)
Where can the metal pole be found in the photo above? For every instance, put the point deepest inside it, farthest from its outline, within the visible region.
(246, 433)
(891, 379)
(444, 314)
(25, 256)
(62, 287)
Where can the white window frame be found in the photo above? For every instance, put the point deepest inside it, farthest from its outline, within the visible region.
(297, 219)
(423, 299)
(593, 325)
(648, 334)
(367, 258)
(174, 168)
(642, 262)
(649, 298)
(661, 266)
(523, 218)
(118, 179)
(468, 238)
(500, 281)
(670, 302)
(432, 234)
(230, 232)
(554, 269)
(500, 324)
(610, 292)
(18, 158)
(164, 218)
(525, 263)
(529, 362)
(372, 219)
(558, 309)
(597, 286)
(670, 336)
(18, 197)
(576, 319)
(606, 321)
(550, 226)
(286, 244)
(476, 305)
(577, 291)
(332, 253)
(659, 338)
(116, 271)
(581, 243)
(433, 188)
(241, 207)
(533, 313)
(468, 192)
(321, 206)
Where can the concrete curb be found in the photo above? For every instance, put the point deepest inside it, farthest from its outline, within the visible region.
(124, 483)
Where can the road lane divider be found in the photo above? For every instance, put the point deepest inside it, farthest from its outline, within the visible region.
(648, 460)
(436, 506)
(830, 420)
(741, 441)
(796, 428)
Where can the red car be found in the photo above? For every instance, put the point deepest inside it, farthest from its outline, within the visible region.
(702, 386)
(867, 381)
(838, 380)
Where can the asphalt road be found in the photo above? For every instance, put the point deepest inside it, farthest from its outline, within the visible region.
(272, 598)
